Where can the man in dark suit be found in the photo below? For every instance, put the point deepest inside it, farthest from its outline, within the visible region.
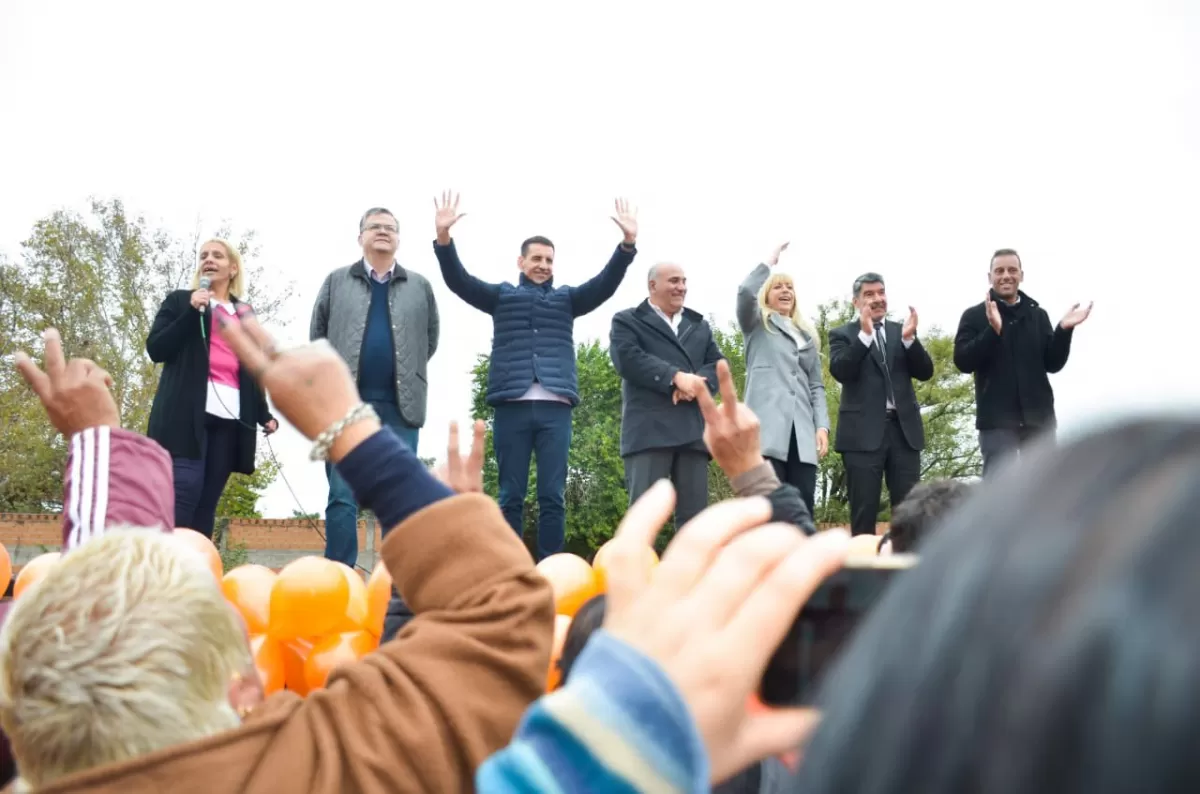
(879, 422)
(665, 355)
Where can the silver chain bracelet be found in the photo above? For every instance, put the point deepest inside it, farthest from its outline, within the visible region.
(323, 442)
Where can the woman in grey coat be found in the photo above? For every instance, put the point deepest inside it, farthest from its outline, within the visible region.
(784, 386)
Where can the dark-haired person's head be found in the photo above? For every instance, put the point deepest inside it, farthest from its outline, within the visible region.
(589, 618)
(1048, 642)
(924, 506)
(1005, 274)
(537, 259)
(378, 232)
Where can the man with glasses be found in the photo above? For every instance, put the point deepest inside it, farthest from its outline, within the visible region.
(383, 320)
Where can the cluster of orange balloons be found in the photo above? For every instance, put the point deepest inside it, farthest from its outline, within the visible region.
(574, 582)
(306, 620)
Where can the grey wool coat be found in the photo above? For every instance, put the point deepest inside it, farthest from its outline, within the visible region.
(784, 386)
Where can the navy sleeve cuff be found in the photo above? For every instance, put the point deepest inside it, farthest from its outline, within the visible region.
(389, 479)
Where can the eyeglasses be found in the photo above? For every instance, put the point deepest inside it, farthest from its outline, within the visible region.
(386, 227)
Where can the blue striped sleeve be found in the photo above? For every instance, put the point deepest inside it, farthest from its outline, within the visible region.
(618, 726)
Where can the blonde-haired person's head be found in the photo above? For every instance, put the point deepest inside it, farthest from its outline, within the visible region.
(125, 647)
(237, 279)
(791, 312)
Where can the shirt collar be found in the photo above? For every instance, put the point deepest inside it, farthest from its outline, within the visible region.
(371, 271)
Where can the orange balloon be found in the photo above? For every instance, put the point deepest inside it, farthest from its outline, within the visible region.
(205, 547)
(333, 651)
(561, 624)
(379, 592)
(268, 658)
(248, 588)
(308, 599)
(295, 652)
(34, 570)
(5, 568)
(355, 618)
(600, 564)
(571, 579)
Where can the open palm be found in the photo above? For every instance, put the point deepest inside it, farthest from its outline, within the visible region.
(1075, 316)
(447, 211)
(626, 218)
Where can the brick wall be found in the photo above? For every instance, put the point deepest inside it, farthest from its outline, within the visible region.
(270, 541)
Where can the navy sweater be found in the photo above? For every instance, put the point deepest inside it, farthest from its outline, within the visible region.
(377, 363)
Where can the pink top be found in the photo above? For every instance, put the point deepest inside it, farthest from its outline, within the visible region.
(222, 363)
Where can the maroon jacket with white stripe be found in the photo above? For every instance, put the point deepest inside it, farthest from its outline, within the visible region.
(114, 477)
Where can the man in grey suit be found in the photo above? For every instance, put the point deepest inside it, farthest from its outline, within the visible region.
(784, 383)
(665, 355)
(880, 430)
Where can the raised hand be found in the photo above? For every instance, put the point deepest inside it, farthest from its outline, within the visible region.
(447, 215)
(310, 385)
(773, 259)
(993, 313)
(626, 219)
(910, 325)
(731, 430)
(1075, 316)
(463, 476)
(74, 393)
(726, 593)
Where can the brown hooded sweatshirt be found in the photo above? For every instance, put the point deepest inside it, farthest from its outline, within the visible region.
(417, 715)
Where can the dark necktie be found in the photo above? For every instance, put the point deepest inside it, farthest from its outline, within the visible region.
(887, 373)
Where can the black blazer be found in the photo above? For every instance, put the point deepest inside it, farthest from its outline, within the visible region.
(177, 416)
(646, 354)
(863, 412)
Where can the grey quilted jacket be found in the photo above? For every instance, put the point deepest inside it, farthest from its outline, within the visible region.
(340, 315)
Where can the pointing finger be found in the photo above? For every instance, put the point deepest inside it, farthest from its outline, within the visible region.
(33, 375)
(56, 364)
(477, 446)
(729, 397)
(453, 450)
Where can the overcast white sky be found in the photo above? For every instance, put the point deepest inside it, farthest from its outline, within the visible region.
(912, 139)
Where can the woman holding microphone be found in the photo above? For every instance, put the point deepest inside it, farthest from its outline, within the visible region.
(207, 407)
(784, 386)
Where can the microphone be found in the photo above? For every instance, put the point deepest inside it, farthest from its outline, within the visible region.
(205, 283)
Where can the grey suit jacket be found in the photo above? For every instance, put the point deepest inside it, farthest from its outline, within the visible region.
(784, 386)
(340, 315)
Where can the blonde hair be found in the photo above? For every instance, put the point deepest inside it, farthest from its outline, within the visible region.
(237, 284)
(124, 647)
(797, 317)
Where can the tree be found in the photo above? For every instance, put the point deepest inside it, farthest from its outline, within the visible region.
(596, 497)
(241, 495)
(98, 278)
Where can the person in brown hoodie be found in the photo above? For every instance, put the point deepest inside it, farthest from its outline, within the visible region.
(419, 714)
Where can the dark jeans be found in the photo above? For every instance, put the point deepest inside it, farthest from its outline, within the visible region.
(341, 516)
(686, 468)
(801, 476)
(523, 428)
(999, 444)
(865, 472)
(200, 483)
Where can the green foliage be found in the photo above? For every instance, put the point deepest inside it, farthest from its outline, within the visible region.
(232, 554)
(240, 499)
(596, 497)
(98, 278)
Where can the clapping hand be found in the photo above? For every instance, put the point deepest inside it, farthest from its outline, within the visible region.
(626, 219)
(993, 313)
(1075, 316)
(910, 326)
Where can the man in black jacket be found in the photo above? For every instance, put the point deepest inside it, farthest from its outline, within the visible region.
(1008, 344)
(880, 430)
(666, 356)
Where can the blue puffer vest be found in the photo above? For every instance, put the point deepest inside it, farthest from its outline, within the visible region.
(533, 338)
